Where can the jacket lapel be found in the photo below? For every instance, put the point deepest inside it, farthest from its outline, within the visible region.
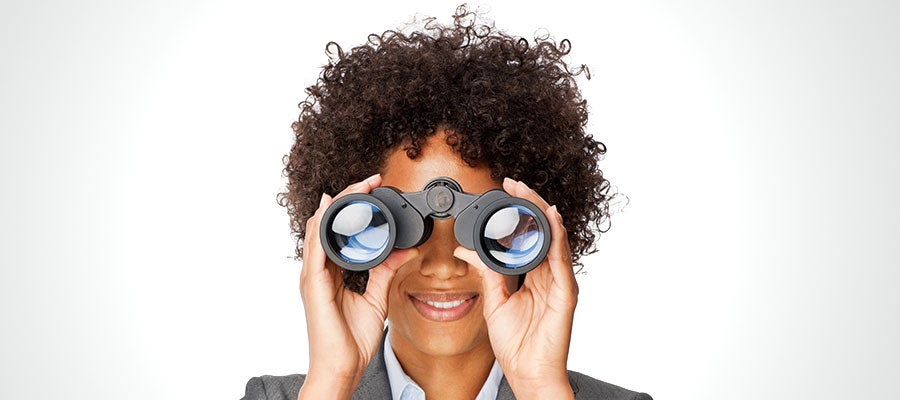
(505, 392)
(374, 384)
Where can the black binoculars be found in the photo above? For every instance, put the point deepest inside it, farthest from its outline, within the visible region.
(511, 235)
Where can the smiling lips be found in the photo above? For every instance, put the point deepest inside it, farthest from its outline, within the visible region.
(443, 307)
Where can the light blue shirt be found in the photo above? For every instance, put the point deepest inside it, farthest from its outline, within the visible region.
(404, 388)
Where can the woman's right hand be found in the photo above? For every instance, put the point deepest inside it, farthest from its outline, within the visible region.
(344, 327)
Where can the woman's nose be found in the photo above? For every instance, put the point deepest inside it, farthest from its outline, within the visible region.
(437, 253)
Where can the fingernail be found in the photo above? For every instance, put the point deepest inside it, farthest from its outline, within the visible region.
(507, 181)
(323, 199)
(558, 216)
(459, 252)
(373, 177)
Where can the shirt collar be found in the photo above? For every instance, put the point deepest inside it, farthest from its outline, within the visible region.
(400, 382)
(404, 388)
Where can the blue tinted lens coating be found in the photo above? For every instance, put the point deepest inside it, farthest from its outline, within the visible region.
(359, 232)
(512, 236)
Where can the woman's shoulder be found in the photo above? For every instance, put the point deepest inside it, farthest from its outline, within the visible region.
(586, 387)
(268, 387)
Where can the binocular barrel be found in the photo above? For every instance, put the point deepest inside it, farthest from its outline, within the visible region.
(511, 235)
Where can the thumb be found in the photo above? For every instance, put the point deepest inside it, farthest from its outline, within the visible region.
(495, 291)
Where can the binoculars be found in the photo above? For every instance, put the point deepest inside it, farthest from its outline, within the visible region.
(511, 235)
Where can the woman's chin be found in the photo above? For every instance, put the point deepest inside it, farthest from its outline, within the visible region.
(442, 338)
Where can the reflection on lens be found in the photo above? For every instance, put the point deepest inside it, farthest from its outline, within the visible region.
(512, 237)
(359, 232)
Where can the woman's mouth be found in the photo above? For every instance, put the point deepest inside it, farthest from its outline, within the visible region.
(443, 307)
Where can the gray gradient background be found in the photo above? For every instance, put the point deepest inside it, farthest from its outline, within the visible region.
(143, 255)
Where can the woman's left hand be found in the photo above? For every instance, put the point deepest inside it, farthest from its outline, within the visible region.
(530, 329)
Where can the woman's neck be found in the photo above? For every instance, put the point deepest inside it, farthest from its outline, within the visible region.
(446, 377)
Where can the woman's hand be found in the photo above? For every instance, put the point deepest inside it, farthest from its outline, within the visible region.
(530, 329)
(344, 327)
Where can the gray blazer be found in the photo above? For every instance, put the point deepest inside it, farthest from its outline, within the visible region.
(375, 385)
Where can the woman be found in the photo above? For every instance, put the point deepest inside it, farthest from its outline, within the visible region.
(489, 111)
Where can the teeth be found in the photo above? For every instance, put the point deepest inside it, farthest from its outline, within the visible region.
(444, 304)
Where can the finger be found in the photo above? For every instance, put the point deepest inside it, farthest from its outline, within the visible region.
(318, 281)
(520, 189)
(313, 269)
(494, 286)
(317, 259)
(364, 186)
(561, 269)
(560, 257)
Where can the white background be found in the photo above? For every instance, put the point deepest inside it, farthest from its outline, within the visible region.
(144, 257)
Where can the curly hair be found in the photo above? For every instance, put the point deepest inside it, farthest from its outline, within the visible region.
(507, 103)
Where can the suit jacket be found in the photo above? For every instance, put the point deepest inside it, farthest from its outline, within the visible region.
(374, 385)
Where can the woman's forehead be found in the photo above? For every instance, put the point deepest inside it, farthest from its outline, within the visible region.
(436, 158)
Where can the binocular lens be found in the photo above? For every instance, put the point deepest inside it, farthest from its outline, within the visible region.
(359, 232)
(512, 236)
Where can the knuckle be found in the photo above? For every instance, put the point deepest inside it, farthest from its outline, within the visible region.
(303, 285)
(573, 303)
(311, 221)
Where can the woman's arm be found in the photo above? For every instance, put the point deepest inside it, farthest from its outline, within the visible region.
(530, 329)
(344, 327)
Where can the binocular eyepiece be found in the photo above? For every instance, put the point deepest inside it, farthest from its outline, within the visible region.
(511, 235)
